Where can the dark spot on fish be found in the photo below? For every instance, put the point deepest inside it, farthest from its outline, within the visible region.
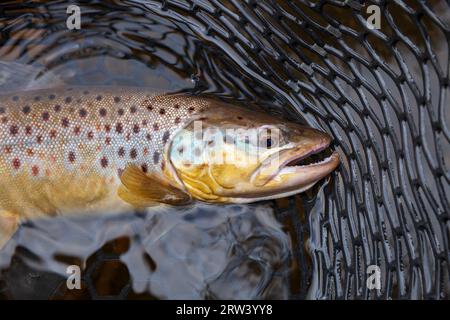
(26, 109)
(104, 162)
(13, 130)
(148, 136)
(133, 109)
(119, 128)
(15, 98)
(116, 99)
(68, 100)
(57, 108)
(149, 107)
(177, 106)
(79, 101)
(177, 120)
(52, 97)
(211, 143)
(83, 112)
(144, 122)
(165, 137)
(16, 163)
(85, 92)
(162, 111)
(155, 127)
(163, 164)
(71, 157)
(180, 150)
(107, 128)
(53, 133)
(120, 112)
(136, 128)
(133, 153)
(156, 157)
(119, 172)
(39, 139)
(121, 152)
(90, 135)
(4, 119)
(108, 140)
(239, 118)
(65, 122)
(77, 130)
(28, 130)
(45, 116)
(144, 167)
(98, 98)
(37, 98)
(102, 112)
(191, 109)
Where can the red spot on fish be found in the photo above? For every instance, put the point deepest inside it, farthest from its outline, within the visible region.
(107, 128)
(16, 163)
(57, 108)
(119, 128)
(108, 140)
(30, 152)
(53, 133)
(104, 162)
(39, 139)
(65, 122)
(14, 130)
(145, 151)
(35, 170)
(77, 130)
(90, 135)
(8, 149)
(45, 116)
(28, 130)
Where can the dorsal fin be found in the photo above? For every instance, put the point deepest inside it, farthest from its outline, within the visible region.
(141, 189)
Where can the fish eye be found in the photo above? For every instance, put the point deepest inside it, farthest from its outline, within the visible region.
(269, 142)
(269, 138)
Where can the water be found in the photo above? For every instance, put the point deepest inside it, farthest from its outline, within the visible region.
(387, 205)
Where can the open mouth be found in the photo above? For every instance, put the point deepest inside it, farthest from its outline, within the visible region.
(315, 158)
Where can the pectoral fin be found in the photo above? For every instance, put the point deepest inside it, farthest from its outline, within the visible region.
(143, 190)
(9, 224)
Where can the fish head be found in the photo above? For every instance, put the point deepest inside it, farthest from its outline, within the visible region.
(232, 155)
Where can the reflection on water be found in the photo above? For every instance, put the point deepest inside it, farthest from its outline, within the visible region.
(200, 252)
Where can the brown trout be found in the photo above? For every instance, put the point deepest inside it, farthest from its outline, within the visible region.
(74, 150)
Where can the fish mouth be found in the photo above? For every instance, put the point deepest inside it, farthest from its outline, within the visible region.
(297, 167)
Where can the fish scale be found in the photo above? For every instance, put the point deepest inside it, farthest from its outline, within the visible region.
(68, 146)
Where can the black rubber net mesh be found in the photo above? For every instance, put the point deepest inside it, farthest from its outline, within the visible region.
(383, 94)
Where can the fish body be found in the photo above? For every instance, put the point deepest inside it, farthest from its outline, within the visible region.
(85, 150)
